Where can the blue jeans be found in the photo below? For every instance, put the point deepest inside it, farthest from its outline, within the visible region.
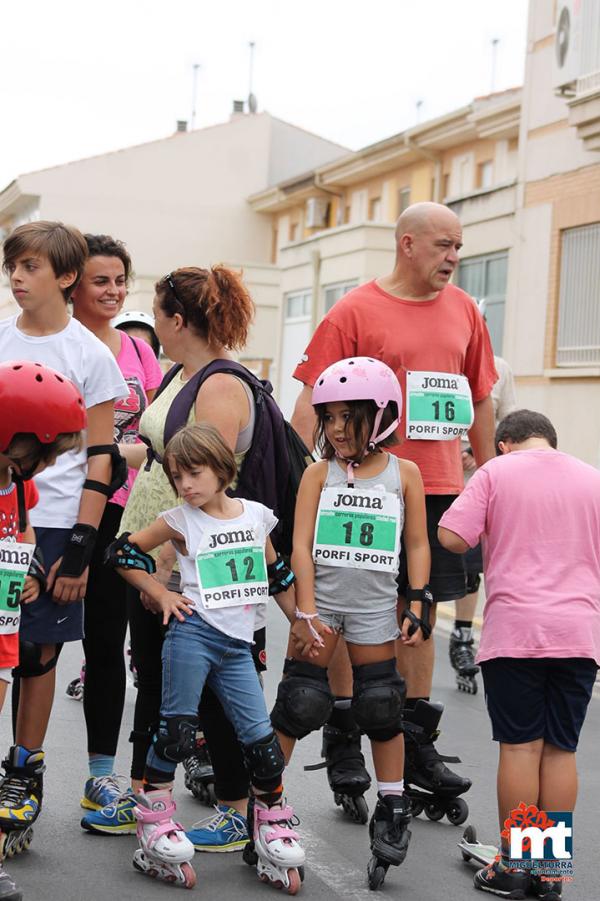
(195, 654)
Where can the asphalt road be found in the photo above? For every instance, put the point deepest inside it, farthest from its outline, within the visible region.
(67, 864)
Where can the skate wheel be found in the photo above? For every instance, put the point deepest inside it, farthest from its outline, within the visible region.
(433, 812)
(189, 875)
(361, 810)
(376, 874)
(457, 812)
(249, 855)
(416, 807)
(470, 835)
(211, 797)
(294, 882)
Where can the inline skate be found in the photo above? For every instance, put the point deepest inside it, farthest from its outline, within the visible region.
(462, 660)
(165, 851)
(75, 687)
(273, 848)
(21, 792)
(8, 889)
(199, 775)
(389, 835)
(429, 784)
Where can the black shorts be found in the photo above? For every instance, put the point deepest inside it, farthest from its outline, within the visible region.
(447, 580)
(545, 697)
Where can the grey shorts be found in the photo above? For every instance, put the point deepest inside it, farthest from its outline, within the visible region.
(363, 628)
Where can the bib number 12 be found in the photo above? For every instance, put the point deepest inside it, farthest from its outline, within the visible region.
(248, 576)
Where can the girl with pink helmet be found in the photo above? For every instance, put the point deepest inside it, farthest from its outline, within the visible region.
(353, 507)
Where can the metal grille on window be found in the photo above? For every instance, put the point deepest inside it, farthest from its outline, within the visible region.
(578, 339)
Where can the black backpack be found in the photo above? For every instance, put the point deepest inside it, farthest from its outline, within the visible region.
(274, 463)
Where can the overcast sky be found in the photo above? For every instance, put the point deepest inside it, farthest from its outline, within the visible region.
(81, 77)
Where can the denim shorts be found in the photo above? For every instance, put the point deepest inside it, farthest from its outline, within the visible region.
(363, 628)
(194, 653)
(532, 698)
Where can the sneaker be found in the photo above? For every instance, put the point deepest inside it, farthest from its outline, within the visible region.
(100, 791)
(117, 818)
(546, 889)
(227, 830)
(500, 880)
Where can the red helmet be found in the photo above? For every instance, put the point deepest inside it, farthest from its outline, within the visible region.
(37, 400)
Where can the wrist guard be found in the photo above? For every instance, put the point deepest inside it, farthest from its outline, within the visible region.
(119, 469)
(36, 569)
(125, 554)
(78, 551)
(280, 576)
(425, 596)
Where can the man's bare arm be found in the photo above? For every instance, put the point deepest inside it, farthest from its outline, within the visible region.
(303, 417)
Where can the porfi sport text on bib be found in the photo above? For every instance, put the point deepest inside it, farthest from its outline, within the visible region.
(439, 406)
(358, 528)
(231, 567)
(15, 560)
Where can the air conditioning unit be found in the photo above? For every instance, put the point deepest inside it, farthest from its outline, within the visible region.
(317, 212)
(567, 45)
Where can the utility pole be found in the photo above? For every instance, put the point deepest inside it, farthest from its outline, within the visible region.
(252, 105)
(418, 106)
(196, 67)
(495, 42)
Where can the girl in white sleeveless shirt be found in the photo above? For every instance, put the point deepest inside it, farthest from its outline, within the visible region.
(226, 561)
(352, 509)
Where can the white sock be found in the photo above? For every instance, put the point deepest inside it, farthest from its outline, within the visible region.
(390, 788)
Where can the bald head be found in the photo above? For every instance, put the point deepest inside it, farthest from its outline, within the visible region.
(423, 217)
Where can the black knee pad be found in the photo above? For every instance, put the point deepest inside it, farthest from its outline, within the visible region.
(473, 582)
(265, 762)
(304, 700)
(175, 739)
(30, 659)
(379, 693)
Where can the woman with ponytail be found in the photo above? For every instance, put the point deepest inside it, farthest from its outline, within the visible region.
(201, 315)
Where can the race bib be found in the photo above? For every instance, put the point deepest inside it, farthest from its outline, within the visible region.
(358, 528)
(439, 406)
(231, 568)
(14, 566)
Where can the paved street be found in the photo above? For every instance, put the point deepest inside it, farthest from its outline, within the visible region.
(67, 864)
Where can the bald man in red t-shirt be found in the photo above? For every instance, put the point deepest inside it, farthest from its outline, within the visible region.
(433, 337)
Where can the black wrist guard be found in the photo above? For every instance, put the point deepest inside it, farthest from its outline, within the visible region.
(425, 596)
(36, 569)
(125, 554)
(78, 551)
(280, 576)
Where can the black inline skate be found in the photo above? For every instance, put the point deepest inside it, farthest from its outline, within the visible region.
(389, 835)
(8, 889)
(463, 660)
(75, 687)
(199, 776)
(428, 782)
(21, 791)
(348, 778)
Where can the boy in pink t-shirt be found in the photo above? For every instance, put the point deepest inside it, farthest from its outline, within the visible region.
(537, 512)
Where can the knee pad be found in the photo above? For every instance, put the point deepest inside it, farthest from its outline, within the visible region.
(304, 700)
(379, 693)
(473, 582)
(175, 739)
(30, 659)
(265, 762)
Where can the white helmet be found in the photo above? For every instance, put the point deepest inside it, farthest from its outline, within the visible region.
(134, 317)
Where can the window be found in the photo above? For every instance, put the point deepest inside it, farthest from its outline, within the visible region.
(334, 292)
(403, 199)
(484, 277)
(375, 209)
(485, 174)
(298, 305)
(578, 339)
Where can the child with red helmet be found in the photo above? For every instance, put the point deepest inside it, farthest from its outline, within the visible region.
(41, 416)
(352, 508)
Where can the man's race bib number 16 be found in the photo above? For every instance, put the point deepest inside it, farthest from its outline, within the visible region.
(439, 406)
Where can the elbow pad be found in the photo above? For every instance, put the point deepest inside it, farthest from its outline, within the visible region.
(119, 469)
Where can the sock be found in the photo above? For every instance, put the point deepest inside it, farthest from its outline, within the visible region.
(101, 765)
(390, 788)
(269, 798)
(411, 703)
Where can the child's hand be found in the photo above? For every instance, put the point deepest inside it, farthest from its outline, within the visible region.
(172, 604)
(304, 640)
(414, 640)
(31, 590)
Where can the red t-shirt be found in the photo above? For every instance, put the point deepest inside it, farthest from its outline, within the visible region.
(9, 525)
(446, 334)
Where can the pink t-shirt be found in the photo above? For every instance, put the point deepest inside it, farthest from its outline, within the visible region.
(538, 515)
(142, 373)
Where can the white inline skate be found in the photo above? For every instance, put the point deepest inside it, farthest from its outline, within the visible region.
(165, 851)
(274, 848)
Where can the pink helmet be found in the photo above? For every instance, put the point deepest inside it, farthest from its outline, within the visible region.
(361, 378)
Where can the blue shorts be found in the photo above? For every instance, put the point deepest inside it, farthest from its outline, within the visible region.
(528, 699)
(44, 621)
